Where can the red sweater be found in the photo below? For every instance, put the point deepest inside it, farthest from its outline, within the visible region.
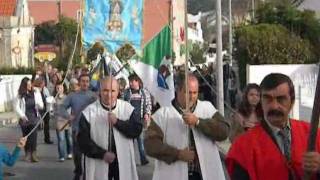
(259, 155)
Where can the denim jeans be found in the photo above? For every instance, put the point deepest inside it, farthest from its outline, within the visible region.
(64, 143)
(142, 153)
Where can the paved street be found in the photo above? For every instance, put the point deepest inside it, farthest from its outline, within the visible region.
(48, 168)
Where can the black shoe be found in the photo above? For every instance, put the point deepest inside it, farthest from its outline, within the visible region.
(48, 142)
(145, 162)
(76, 177)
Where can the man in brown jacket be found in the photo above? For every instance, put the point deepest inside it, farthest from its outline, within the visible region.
(183, 141)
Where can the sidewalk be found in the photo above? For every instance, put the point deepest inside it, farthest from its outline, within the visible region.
(8, 118)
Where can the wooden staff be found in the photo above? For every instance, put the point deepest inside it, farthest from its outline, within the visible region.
(186, 71)
(110, 104)
(314, 124)
(65, 125)
(187, 108)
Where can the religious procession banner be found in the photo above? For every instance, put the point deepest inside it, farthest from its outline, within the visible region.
(113, 23)
(155, 67)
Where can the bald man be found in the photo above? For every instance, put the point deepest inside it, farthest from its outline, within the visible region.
(183, 141)
(106, 130)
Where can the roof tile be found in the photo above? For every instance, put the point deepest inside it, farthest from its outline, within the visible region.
(7, 7)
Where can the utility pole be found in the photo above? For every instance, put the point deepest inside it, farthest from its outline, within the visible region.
(220, 97)
(59, 9)
(253, 9)
(230, 33)
(60, 38)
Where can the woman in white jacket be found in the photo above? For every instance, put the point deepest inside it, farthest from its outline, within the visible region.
(27, 105)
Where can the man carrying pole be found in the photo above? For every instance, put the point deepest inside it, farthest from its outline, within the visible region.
(107, 128)
(184, 142)
(275, 149)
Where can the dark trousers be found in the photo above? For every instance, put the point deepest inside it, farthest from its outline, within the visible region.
(232, 97)
(114, 170)
(31, 144)
(46, 128)
(77, 157)
(195, 176)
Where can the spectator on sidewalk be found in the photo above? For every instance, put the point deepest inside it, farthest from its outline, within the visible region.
(204, 85)
(10, 159)
(62, 126)
(73, 85)
(27, 105)
(232, 88)
(249, 112)
(40, 84)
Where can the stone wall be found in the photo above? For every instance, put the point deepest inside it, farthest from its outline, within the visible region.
(9, 86)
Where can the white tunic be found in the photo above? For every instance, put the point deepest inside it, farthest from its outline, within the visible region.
(176, 134)
(97, 169)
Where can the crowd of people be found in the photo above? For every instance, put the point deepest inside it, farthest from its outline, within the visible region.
(97, 129)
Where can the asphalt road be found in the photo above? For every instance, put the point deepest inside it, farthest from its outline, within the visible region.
(49, 168)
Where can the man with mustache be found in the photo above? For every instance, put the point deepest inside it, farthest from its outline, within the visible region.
(276, 148)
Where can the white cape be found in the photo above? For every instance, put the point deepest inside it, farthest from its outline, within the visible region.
(97, 169)
(176, 134)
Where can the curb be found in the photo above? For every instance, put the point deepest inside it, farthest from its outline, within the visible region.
(8, 122)
(7, 119)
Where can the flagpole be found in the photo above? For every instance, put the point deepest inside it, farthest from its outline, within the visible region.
(220, 98)
(230, 33)
(81, 25)
(187, 55)
(110, 103)
(172, 30)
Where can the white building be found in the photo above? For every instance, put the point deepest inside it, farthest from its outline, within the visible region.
(16, 34)
(195, 33)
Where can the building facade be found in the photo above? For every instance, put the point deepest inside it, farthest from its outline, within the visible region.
(16, 34)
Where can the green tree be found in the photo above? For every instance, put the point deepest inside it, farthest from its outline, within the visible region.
(280, 34)
(62, 34)
(302, 23)
(45, 33)
(66, 31)
(197, 53)
(270, 44)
